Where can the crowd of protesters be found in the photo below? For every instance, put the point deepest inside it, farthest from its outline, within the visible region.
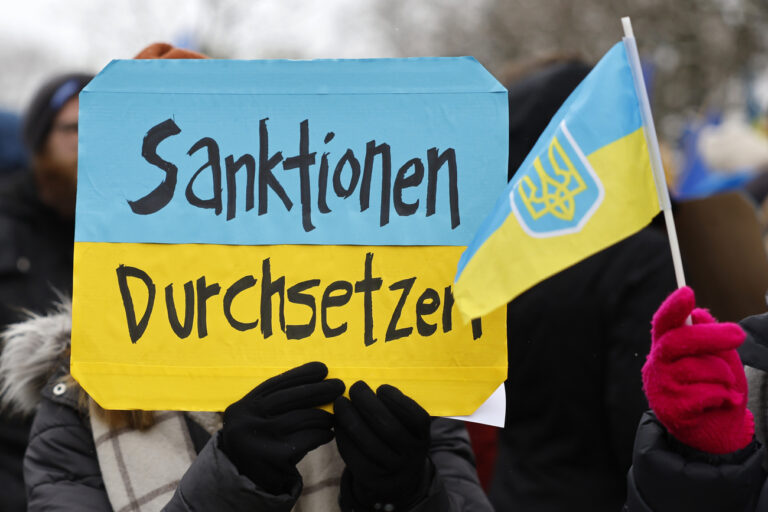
(621, 394)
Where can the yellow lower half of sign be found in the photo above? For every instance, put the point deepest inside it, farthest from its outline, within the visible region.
(195, 327)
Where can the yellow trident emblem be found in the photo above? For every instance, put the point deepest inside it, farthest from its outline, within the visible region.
(557, 192)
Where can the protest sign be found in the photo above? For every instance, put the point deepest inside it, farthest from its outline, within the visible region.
(238, 218)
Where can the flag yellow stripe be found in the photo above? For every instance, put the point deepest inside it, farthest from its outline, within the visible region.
(503, 267)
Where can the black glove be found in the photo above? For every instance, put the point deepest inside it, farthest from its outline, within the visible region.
(384, 441)
(272, 428)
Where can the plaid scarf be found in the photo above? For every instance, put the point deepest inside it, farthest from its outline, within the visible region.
(141, 469)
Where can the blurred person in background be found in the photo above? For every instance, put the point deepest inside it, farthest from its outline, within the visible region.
(12, 154)
(576, 344)
(37, 208)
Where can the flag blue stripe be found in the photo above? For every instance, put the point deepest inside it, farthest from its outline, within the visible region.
(601, 110)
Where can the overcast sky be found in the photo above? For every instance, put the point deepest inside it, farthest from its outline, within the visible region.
(39, 37)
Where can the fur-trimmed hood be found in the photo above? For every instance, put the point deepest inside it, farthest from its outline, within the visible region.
(32, 351)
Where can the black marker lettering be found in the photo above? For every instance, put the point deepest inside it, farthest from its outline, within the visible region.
(295, 295)
(163, 193)
(135, 329)
(322, 179)
(428, 303)
(367, 286)
(266, 178)
(371, 150)
(477, 328)
(302, 161)
(215, 165)
(434, 163)
(182, 331)
(233, 291)
(354, 166)
(231, 166)
(204, 292)
(393, 333)
(447, 309)
(322, 185)
(402, 181)
(331, 301)
(269, 288)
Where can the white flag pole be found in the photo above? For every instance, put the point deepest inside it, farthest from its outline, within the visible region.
(653, 148)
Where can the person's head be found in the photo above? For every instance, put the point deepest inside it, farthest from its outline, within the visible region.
(536, 92)
(50, 134)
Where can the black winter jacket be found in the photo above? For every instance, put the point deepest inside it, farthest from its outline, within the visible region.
(577, 342)
(667, 476)
(62, 471)
(36, 246)
(35, 263)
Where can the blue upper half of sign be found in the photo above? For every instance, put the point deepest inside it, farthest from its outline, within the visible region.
(280, 76)
(363, 152)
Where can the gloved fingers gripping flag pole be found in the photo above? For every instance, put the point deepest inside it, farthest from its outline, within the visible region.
(593, 178)
(653, 149)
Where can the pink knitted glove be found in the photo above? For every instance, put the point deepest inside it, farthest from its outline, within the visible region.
(694, 379)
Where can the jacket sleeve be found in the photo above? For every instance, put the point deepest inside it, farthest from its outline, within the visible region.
(61, 470)
(455, 486)
(667, 476)
(212, 482)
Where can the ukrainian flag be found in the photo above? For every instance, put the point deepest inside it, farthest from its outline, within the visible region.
(585, 185)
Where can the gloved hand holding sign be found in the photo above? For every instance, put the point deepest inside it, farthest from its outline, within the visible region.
(268, 431)
(694, 378)
(384, 439)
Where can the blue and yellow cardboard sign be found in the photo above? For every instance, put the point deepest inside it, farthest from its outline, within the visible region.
(238, 218)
